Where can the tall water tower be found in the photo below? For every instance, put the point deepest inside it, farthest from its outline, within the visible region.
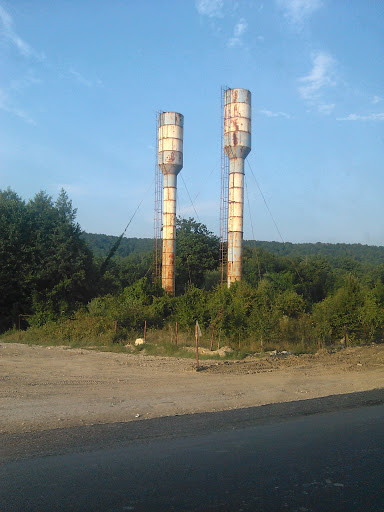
(170, 161)
(237, 145)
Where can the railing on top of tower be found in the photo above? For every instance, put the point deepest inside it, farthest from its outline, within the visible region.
(224, 195)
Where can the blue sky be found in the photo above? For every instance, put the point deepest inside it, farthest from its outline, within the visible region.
(80, 84)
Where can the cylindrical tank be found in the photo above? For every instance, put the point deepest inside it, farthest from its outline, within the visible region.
(237, 145)
(170, 161)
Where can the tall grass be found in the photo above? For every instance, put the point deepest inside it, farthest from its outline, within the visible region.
(100, 333)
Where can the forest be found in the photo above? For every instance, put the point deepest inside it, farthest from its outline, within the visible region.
(64, 284)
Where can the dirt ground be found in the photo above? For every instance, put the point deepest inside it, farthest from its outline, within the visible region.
(45, 388)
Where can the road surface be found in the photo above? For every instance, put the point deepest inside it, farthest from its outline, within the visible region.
(280, 459)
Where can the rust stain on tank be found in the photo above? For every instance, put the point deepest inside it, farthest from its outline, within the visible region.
(235, 95)
(234, 138)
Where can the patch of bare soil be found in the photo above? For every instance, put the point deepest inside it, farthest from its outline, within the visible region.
(349, 359)
(54, 387)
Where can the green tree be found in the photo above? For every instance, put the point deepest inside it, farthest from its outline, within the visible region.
(46, 268)
(15, 258)
(62, 267)
(197, 252)
(192, 306)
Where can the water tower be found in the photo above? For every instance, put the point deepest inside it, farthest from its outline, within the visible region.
(237, 145)
(170, 161)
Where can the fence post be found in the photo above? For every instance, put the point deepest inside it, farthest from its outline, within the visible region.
(213, 332)
(176, 334)
(197, 345)
(145, 329)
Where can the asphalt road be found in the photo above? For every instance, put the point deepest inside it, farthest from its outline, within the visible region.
(293, 461)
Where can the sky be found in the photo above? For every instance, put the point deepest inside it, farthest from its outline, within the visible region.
(80, 84)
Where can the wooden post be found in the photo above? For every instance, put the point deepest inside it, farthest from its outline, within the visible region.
(145, 329)
(176, 334)
(213, 333)
(115, 325)
(345, 336)
(19, 322)
(197, 345)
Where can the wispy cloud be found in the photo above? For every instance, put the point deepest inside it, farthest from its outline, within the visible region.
(377, 99)
(359, 117)
(210, 8)
(7, 105)
(326, 108)
(10, 35)
(297, 11)
(82, 80)
(30, 79)
(238, 32)
(321, 77)
(269, 113)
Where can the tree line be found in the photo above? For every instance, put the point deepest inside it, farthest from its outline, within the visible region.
(48, 271)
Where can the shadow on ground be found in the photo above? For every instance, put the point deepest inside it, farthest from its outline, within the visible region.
(102, 436)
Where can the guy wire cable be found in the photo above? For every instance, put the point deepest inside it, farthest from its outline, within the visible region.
(273, 220)
(118, 241)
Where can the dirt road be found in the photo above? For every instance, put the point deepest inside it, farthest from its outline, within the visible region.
(45, 388)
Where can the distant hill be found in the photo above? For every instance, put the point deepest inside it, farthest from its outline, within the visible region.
(101, 245)
(363, 253)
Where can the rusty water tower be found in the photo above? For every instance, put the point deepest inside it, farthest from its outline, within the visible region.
(237, 146)
(170, 161)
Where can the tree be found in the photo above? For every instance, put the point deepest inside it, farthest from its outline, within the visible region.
(14, 257)
(62, 270)
(197, 252)
(45, 266)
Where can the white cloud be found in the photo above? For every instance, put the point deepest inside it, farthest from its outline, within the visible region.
(210, 8)
(269, 113)
(18, 85)
(10, 35)
(238, 31)
(326, 108)
(358, 117)
(377, 99)
(296, 11)
(321, 77)
(240, 28)
(80, 78)
(7, 106)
